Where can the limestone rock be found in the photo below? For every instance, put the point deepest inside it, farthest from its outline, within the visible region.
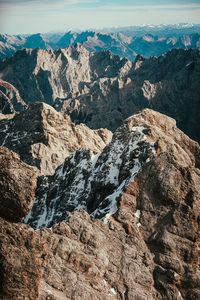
(80, 259)
(44, 138)
(10, 99)
(101, 89)
(17, 186)
(148, 247)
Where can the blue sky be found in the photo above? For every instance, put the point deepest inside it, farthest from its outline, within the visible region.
(31, 16)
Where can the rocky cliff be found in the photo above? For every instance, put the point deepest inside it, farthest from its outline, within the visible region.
(145, 187)
(10, 99)
(44, 137)
(101, 90)
(17, 186)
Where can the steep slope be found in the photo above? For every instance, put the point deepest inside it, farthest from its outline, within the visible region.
(152, 45)
(58, 75)
(96, 182)
(36, 41)
(169, 84)
(44, 138)
(118, 44)
(148, 248)
(10, 99)
(9, 44)
(101, 90)
(17, 186)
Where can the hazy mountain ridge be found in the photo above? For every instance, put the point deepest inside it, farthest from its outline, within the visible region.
(125, 42)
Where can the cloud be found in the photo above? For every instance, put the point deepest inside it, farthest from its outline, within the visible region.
(29, 16)
(9, 4)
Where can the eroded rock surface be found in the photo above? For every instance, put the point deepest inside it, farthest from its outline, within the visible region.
(101, 89)
(10, 99)
(44, 137)
(149, 246)
(17, 186)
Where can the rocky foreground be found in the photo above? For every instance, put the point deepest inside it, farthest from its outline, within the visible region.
(123, 223)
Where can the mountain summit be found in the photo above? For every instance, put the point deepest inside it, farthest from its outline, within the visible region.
(145, 187)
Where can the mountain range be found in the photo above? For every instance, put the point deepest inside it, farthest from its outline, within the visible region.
(101, 89)
(125, 42)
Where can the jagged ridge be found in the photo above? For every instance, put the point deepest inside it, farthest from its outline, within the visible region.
(101, 90)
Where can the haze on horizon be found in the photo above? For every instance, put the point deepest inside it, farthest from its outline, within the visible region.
(31, 16)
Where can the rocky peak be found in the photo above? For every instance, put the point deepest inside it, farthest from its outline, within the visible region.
(49, 138)
(36, 41)
(60, 74)
(144, 185)
(96, 182)
(101, 89)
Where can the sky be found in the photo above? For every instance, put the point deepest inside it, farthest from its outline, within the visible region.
(33, 16)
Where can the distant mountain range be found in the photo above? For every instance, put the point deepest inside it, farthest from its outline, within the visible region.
(126, 42)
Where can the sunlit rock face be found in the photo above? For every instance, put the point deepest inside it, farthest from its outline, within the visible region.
(44, 137)
(144, 188)
(101, 89)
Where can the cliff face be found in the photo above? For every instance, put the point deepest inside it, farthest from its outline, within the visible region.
(10, 99)
(44, 137)
(144, 186)
(101, 90)
(17, 186)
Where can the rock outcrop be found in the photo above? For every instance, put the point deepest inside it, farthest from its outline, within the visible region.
(44, 137)
(17, 186)
(96, 182)
(80, 259)
(147, 247)
(101, 90)
(10, 99)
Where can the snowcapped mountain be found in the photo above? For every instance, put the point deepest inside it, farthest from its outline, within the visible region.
(125, 42)
(145, 187)
(95, 182)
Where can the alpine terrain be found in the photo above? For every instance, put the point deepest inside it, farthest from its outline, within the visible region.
(101, 89)
(100, 164)
(119, 224)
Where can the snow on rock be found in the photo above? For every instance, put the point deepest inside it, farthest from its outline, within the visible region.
(93, 182)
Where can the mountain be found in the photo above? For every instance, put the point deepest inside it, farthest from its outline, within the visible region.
(130, 45)
(125, 42)
(9, 44)
(49, 138)
(10, 99)
(145, 186)
(158, 30)
(101, 90)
